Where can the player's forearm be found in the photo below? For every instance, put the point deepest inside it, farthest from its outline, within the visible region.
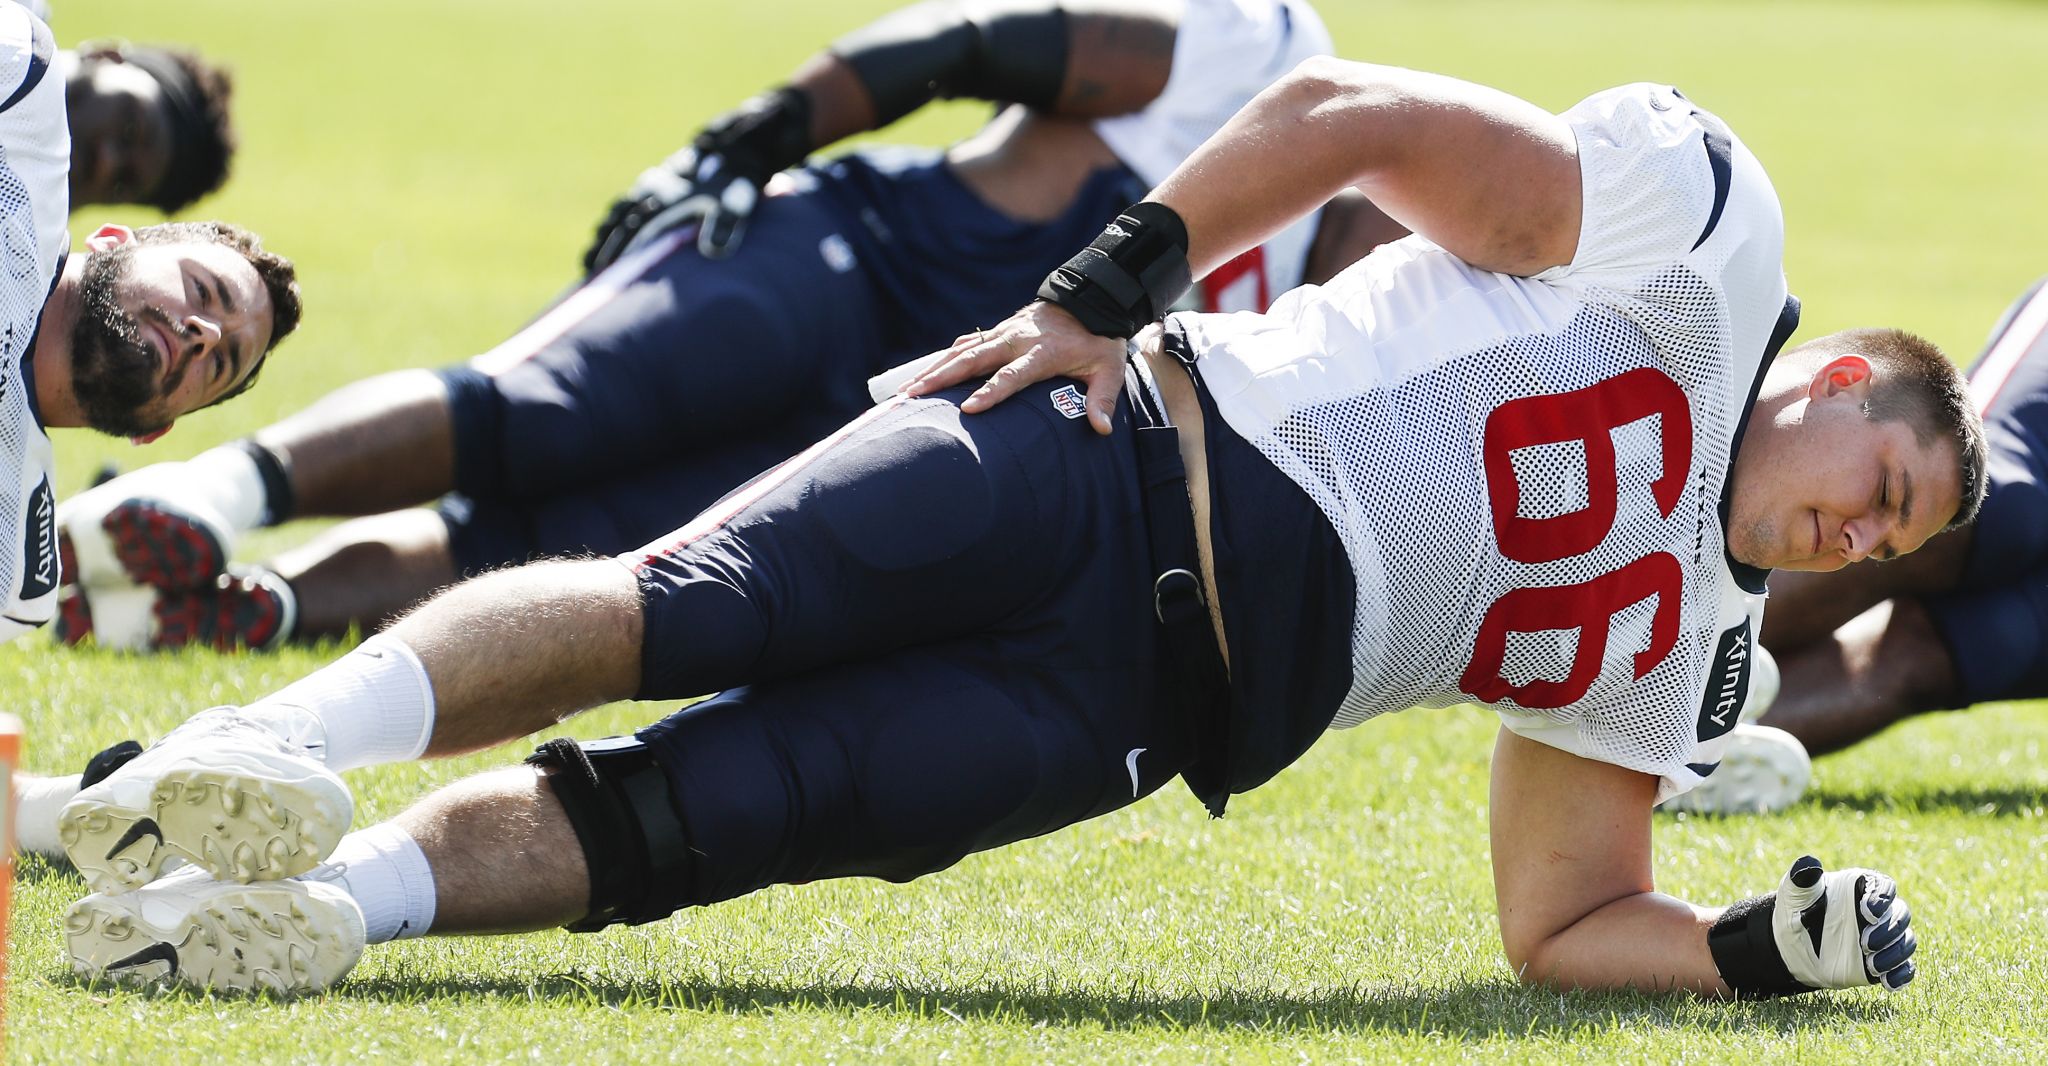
(1119, 56)
(840, 104)
(1647, 941)
(1491, 178)
(1085, 59)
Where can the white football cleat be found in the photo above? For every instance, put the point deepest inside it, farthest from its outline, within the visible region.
(1763, 770)
(165, 526)
(274, 936)
(220, 791)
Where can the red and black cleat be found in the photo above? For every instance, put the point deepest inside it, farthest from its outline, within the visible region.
(74, 616)
(243, 609)
(163, 548)
(67, 559)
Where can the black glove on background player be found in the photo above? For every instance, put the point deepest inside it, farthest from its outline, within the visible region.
(715, 181)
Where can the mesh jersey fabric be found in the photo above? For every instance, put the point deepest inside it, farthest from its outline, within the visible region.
(1381, 392)
(35, 155)
(1224, 53)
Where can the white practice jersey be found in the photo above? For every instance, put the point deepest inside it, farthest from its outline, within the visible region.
(35, 158)
(1224, 53)
(1527, 473)
(40, 9)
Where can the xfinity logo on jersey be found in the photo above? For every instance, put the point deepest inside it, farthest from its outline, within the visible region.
(1727, 683)
(39, 549)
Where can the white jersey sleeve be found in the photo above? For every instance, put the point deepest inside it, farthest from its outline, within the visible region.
(1528, 473)
(1224, 53)
(35, 149)
(39, 8)
(1654, 178)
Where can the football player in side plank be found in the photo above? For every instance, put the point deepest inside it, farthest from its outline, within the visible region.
(720, 330)
(1538, 456)
(145, 326)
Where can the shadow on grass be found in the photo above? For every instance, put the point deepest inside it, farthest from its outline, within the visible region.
(1985, 802)
(2001, 802)
(1476, 1011)
(34, 870)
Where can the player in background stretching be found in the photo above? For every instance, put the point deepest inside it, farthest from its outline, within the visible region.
(731, 317)
(149, 124)
(1540, 455)
(123, 338)
(146, 326)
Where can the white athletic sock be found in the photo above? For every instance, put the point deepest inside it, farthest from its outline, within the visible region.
(383, 869)
(37, 802)
(230, 481)
(374, 705)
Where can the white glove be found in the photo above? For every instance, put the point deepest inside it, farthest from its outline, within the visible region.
(1843, 929)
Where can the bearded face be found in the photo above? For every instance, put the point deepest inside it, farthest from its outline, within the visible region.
(116, 375)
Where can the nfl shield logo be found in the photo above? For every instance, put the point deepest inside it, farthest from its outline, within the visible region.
(1068, 401)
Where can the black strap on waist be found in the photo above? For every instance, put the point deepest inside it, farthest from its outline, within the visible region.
(1199, 683)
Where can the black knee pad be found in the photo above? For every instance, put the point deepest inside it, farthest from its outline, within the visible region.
(626, 817)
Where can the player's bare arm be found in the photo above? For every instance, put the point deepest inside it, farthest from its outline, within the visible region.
(1115, 59)
(1102, 58)
(1572, 879)
(1491, 178)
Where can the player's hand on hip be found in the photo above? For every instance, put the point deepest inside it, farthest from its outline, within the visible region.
(1843, 929)
(1038, 342)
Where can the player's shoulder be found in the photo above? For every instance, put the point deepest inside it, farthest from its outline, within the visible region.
(27, 50)
(1665, 181)
(1217, 40)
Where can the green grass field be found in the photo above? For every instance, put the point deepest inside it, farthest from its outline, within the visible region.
(435, 167)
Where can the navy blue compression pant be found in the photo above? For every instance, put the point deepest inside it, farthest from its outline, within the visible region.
(1995, 622)
(944, 628)
(668, 379)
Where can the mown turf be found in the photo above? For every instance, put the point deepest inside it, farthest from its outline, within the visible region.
(435, 167)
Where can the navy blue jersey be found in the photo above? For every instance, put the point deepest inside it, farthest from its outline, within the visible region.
(668, 378)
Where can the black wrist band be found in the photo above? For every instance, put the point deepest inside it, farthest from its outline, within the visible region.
(1129, 277)
(1746, 952)
(278, 499)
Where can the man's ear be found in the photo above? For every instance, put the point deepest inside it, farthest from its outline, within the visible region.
(111, 235)
(151, 436)
(1843, 373)
(109, 49)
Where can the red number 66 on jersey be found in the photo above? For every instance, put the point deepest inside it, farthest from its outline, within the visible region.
(1588, 416)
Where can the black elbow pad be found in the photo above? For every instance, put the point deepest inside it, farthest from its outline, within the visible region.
(1009, 53)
